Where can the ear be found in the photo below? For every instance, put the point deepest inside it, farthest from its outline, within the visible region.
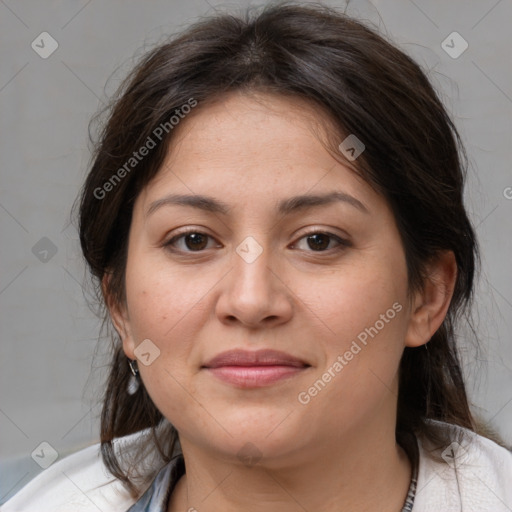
(119, 316)
(431, 303)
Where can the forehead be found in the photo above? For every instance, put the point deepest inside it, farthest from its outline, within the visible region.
(239, 125)
(254, 147)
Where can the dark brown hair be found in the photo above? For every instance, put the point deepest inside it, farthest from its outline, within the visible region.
(369, 88)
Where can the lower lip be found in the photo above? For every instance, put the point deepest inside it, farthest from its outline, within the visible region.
(254, 376)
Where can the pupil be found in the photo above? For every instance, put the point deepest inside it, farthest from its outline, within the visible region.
(320, 241)
(195, 239)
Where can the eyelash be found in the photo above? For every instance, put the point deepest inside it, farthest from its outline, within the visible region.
(342, 243)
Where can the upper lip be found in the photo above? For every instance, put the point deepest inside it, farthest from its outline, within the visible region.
(254, 358)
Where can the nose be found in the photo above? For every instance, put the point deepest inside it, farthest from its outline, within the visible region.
(255, 294)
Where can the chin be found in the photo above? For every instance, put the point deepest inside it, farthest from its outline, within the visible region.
(272, 434)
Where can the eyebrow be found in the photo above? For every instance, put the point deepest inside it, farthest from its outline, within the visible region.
(284, 207)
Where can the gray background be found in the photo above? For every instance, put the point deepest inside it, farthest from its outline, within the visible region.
(49, 387)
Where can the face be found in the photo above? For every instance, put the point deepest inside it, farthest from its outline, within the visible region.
(322, 281)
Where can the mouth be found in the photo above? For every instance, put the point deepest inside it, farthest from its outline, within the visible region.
(254, 369)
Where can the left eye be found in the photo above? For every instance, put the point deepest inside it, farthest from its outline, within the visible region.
(320, 242)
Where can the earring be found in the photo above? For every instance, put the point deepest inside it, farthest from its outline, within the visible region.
(134, 382)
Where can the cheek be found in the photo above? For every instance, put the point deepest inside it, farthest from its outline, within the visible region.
(170, 307)
(362, 330)
(365, 323)
(167, 309)
(160, 298)
(352, 299)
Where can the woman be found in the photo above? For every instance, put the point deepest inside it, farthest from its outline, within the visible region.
(275, 218)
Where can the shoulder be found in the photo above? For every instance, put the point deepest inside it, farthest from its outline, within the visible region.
(471, 472)
(79, 482)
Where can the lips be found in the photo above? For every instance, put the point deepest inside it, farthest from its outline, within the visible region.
(257, 358)
(246, 369)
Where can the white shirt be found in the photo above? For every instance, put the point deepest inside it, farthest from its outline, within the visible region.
(474, 476)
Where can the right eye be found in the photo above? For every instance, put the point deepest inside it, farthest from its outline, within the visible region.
(188, 241)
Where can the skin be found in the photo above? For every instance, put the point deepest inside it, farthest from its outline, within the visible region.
(252, 151)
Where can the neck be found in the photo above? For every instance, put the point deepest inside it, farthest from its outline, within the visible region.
(369, 472)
